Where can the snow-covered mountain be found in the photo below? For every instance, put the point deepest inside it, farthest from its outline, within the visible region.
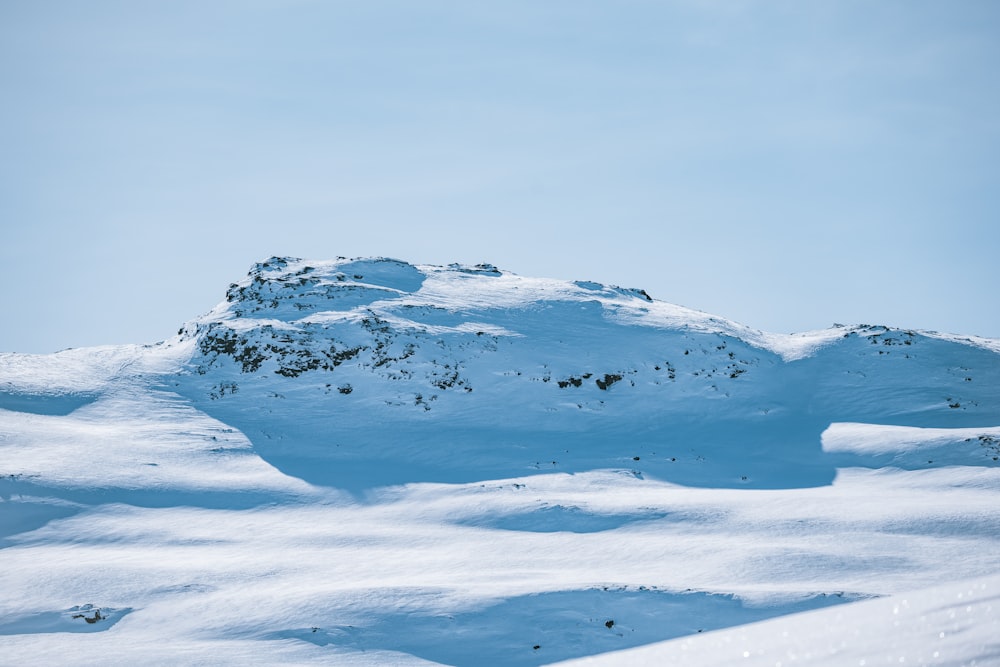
(370, 462)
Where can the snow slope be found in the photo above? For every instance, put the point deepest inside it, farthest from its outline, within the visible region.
(954, 624)
(366, 461)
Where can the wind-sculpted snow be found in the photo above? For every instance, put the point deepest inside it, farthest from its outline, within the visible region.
(368, 462)
(454, 374)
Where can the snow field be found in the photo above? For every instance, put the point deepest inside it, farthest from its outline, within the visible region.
(365, 462)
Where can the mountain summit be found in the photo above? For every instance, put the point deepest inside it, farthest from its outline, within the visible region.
(425, 373)
(370, 462)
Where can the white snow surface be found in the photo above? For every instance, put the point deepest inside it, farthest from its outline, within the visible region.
(368, 462)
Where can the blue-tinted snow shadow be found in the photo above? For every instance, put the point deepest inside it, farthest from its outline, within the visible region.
(385, 272)
(22, 517)
(779, 453)
(358, 443)
(707, 455)
(700, 444)
(560, 518)
(538, 629)
(56, 405)
(86, 618)
(19, 516)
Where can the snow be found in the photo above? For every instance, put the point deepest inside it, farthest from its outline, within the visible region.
(367, 462)
(954, 624)
(885, 439)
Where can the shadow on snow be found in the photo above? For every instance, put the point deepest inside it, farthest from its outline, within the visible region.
(54, 405)
(542, 628)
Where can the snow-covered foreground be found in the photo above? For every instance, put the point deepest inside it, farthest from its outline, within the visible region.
(414, 465)
(954, 624)
(481, 574)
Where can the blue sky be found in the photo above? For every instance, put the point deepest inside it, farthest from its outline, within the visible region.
(784, 164)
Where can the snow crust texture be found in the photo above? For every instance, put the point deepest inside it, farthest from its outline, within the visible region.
(369, 462)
